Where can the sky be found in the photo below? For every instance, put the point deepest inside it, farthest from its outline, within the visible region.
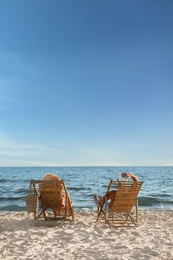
(86, 83)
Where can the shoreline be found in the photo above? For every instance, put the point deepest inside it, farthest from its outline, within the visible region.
(85, 238)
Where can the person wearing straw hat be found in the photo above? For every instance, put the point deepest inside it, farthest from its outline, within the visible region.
(52, 177)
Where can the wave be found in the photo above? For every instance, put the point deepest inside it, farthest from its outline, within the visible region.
(13, 208)
(12, 198)
(150, 201)
(22, 191)
(15, 180)
(75, 188)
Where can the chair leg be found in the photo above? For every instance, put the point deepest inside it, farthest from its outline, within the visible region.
(132, 219)
(98, 214)
(99, 211)
(137, 211)
(106, 216)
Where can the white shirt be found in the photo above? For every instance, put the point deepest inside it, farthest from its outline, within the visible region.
(120, 178)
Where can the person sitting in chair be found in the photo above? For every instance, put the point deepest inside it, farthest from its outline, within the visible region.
(52, 177)
(111, 194)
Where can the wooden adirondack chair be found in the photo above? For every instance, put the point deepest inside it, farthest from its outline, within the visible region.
(49, 200)
(124, 211)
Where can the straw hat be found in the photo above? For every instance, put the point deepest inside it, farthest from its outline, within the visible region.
(51, 177)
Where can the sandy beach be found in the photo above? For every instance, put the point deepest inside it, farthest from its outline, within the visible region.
(86, 239)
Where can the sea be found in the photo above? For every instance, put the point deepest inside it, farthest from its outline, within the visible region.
(83, 182)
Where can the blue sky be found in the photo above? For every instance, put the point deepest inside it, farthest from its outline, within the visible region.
(86, 83)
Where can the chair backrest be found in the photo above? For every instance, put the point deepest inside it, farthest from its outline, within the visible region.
(51, 193)
(126, 195)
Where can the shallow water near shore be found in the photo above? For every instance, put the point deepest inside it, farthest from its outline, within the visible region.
(83, 182)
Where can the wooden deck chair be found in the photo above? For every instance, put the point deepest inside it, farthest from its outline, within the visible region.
(124, 211)
(49, 200)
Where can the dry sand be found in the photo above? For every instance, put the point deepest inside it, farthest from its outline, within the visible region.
(86, 239)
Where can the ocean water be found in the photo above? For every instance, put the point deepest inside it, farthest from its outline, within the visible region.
(83, 182)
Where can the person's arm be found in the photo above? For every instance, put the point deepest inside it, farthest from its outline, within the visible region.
(134, 178)
(128, 175)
